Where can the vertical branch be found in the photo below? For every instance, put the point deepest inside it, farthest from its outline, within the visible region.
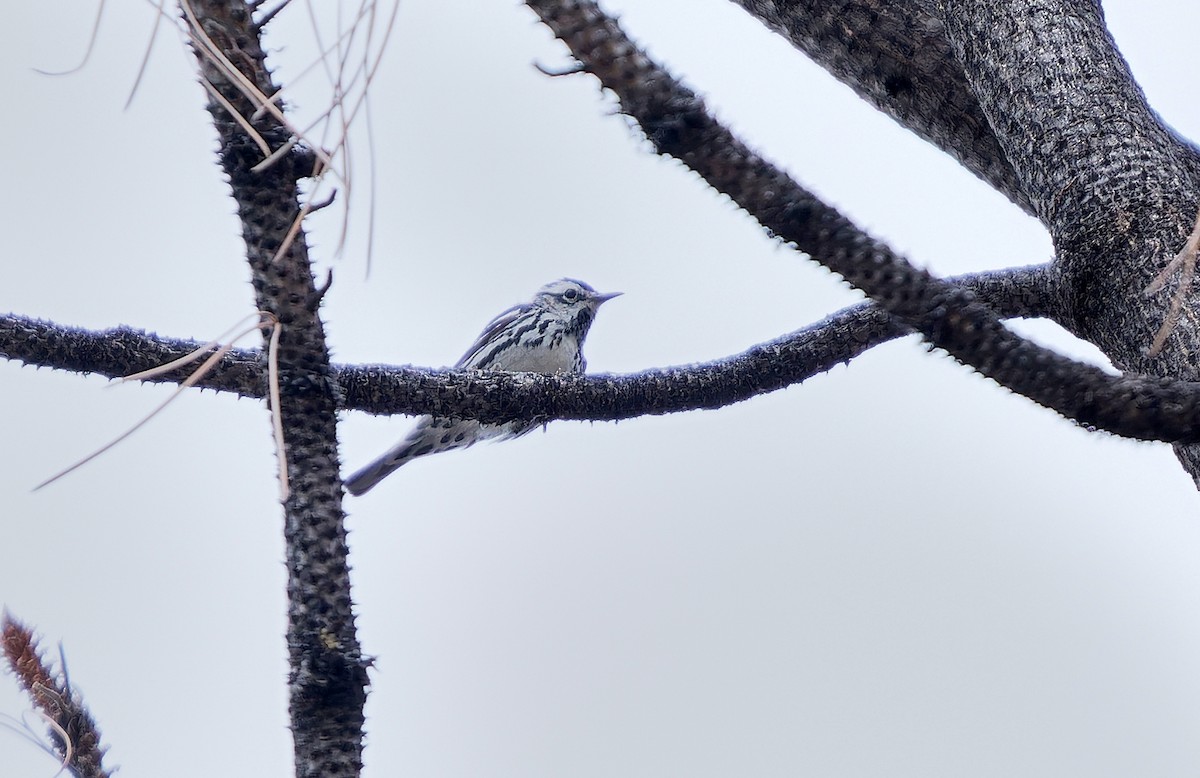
(328, 678)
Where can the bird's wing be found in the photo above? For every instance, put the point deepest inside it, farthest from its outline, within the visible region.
(494, 327)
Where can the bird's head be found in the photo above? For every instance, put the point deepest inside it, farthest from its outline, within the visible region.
(571, 298)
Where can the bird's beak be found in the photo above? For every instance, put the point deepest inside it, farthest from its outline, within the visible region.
(600, 298)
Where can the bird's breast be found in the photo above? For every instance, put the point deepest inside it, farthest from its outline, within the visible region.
(552, 355)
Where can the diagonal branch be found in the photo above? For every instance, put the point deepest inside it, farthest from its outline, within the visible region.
(1112, 183)
(73, 732)
(678, 124)
(894, 54)
(766, 367)
(1115, 186)
(1066, 109)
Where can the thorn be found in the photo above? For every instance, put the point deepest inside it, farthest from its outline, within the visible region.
(328, 201)
(575, 69)
(319, 292)
(269, 15)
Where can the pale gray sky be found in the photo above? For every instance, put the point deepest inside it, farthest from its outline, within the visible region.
(894, 569)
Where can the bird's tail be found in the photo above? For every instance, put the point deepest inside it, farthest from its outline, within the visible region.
(431, 436)
(363, 480)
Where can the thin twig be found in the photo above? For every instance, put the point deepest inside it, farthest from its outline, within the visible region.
(1185, 259)
(189, 382)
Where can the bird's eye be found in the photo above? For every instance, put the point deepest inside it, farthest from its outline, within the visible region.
(571, 295)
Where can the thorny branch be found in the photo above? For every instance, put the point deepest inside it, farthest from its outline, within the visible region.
(327, 684)
(677, 122)
(73, 732)
(766, 367)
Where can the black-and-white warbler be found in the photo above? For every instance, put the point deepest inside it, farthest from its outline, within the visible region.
(544, 335)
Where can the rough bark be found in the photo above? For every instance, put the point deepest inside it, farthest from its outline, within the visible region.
(1078, 145)
(379, 389)
(328, 678)
(1117, 190)
(896, 57)
(677, 123)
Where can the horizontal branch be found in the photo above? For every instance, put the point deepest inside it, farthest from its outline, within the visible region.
(122, 351)
(764, 368)
(767, 367)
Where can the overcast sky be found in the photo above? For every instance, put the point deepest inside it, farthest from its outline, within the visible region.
(897, 568)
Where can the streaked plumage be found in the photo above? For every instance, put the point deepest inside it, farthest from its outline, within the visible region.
(544, 335)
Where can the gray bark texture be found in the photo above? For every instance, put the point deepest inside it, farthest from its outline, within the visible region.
(1078, 145)
(677, 123)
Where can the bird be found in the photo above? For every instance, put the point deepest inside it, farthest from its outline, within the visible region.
(543, 335)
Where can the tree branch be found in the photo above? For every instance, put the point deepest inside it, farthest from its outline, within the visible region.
(766, 367)
(1067, 126)
(73, 732)
(328, 679)
(678, 124)
(896, 57)
(1114, 186)
(123, 351)
(1117, 189)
